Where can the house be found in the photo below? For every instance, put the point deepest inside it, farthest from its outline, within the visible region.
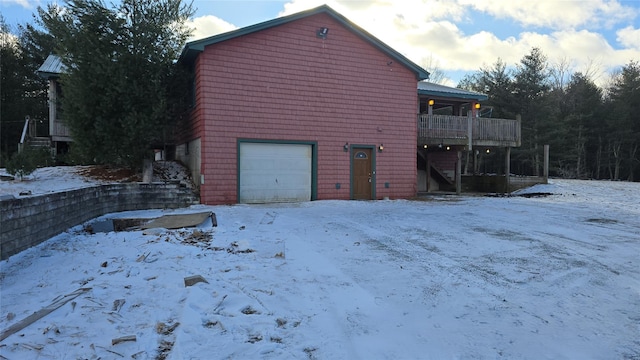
(59, 133)
(304, 107)
(311, 106)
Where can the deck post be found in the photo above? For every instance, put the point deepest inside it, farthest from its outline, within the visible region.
(507, 169)
(428, 173)
(545, 170)
(459, 173)
(470, 130)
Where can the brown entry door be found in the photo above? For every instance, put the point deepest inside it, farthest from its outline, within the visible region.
(362, 174)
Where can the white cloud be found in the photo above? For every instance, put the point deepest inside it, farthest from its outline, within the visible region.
(629, 37)
(426, 31)
(27, 4)
(209, 25)
(556, 14)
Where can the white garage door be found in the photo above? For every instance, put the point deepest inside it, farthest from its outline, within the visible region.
(275, 172)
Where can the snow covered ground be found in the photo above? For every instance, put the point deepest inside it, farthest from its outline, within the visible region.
(46, 180)
(469, 277)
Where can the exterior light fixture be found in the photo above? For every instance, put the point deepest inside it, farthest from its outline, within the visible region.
(448, 148)
(440, 145)
(425, 146)
(431, 102)
(346, 147)
(322, 33)
(488, 151)
(380, 148)
(477, 106)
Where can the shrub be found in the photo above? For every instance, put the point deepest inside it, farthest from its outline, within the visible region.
(26, 162)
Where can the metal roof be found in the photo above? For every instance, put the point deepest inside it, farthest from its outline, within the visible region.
(51, 68)
(193, 48)
(427, 88)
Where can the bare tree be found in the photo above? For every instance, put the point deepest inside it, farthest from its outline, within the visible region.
(436, 74)
(560, 73)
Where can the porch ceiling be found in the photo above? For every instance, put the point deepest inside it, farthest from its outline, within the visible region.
(452, 94)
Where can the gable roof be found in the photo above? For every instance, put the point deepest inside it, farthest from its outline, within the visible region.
(427, 88)
(193, 48)
(51, 68)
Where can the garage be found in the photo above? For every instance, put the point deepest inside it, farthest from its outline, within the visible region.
(275, 172)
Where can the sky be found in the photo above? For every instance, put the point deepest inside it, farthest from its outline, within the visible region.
(456, 37)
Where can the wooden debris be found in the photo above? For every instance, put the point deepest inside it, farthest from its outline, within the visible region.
(192, 280)
(220, 303)
(163, 329)
(117, 304)
(56, 304)
(214, 220)
(177, 221)
(104, 264)
(122, 339)
(36, 347)
(196, 237)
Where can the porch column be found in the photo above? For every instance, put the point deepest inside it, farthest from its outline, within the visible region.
(53, 100)
(459, 173)
(507, 169)
(545, 171)
(428, 173)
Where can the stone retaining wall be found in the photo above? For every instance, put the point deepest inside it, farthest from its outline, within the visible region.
(26, 222)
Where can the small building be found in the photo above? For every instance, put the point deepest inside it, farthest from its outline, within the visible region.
(59, 133)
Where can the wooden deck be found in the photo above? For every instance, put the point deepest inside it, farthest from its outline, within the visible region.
(466, 130)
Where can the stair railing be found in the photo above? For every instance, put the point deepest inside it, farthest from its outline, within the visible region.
(24, 133)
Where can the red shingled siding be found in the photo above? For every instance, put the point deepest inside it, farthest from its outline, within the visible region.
(284, 83)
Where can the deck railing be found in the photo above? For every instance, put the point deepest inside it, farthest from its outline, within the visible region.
(457, 130)
(60, 130)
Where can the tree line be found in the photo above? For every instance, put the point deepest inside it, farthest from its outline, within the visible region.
(593, 132)
(121, 88)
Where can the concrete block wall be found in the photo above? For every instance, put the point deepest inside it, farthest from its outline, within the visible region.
(26, 222)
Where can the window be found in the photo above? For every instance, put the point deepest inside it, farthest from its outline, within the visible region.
(360, 155)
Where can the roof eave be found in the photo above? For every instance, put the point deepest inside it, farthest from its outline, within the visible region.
(479, 97)
(47, 75)
(193, 48)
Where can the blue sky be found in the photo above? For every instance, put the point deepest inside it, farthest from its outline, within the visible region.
(454, 36)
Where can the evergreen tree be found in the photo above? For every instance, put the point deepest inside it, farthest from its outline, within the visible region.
(120, 70)
(624, 122)
(582, 105)
(531, 98)
(22, 92)
(496, 82)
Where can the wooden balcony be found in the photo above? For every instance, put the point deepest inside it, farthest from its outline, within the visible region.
(60, 131)
(467, 130)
